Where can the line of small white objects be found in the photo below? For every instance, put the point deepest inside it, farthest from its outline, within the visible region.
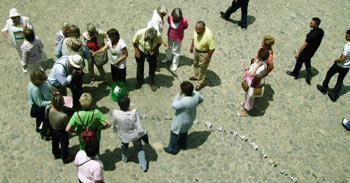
(255, 147)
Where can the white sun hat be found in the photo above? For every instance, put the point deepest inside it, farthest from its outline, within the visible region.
(14, 13)
(76, 61)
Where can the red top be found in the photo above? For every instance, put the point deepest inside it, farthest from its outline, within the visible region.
(92, 44)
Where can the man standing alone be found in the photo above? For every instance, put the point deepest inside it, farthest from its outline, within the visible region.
(308, 49)
(341, 66)
(236, 4)
(203, 44)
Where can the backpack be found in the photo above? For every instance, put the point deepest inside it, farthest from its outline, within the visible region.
(87, 134)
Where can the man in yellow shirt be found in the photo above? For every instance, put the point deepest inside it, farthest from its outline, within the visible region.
(203, 44)
(146, 43)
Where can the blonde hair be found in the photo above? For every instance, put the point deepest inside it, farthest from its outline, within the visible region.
(65, 24)
(85, 100)
(162, 10)
(269, 40)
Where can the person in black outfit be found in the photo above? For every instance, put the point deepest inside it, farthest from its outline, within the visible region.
(236, 4)
(308, 49)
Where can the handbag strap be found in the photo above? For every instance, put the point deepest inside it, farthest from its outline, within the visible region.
(84, 162)
(93, 113)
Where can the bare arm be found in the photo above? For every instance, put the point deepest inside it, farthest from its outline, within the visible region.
(192, 45)
(253, 72)
(108, 124)
(137, 51)
(101, 50)
(210, 53)
(340, 59)
(123, 57)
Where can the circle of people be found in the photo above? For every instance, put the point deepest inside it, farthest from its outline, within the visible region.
(57, 114)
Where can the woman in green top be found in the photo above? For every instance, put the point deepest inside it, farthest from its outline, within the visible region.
(93, 120)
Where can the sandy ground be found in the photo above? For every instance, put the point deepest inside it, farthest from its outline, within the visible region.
(293, 123)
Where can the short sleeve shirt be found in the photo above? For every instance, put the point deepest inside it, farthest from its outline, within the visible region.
(346, 53)
(116, 53)
(204, 42)
(146, 45)
(90, 170)
(261, 70)
(96, 124)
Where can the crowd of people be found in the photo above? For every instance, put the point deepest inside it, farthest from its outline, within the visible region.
(56, 119)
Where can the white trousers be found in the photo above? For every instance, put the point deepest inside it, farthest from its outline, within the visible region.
(176, 49)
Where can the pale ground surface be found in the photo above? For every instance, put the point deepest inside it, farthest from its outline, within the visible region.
(293, 123)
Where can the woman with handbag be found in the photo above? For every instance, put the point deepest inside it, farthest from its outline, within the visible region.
(87, 120)
(252, 81)
(39, 97)
(95, 39)
(267, 43)
(119, 53)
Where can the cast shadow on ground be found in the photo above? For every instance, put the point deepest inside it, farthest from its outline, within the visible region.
(344, 89)
(74, 150)
(184, 61)
(262, 103)
(212, 79)
(48, 64)
(196, 139)
(250, 20)
(110, 158)
(314, 72)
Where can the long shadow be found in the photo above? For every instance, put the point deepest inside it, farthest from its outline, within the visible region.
(196, 139)
(48, 64)
(262, 103)
(344, 89)
(250, 20)
(98, 92)
(314, 72)
(212, 79)
(110, 158)
(74, 150)
(162, 80)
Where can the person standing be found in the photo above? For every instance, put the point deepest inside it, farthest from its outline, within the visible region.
(157, 21)
(203, 48)
(63, 33)
(308, 49)
(15, 26)
(185, 114)
(236, 4)
(32, 51)
(177, 25)
(58, 121)
(341, 66)
(130, 129)
(64, 72)
(119, 53)
(146, 43)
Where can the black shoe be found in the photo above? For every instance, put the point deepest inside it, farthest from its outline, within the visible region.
(291, 74)
(308, 80)
(321, 89)
(167, 151)
(138, 85)
(223, 15)
(333, 97)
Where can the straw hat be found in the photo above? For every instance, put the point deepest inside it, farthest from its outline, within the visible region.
(76, 61)
(13, 13)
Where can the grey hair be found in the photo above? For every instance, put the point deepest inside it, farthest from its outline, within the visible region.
(162, 10)
(91, 27)
(176, 13)
(65, 24)
(200, 22)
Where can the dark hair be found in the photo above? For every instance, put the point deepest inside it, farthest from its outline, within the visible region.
(263, 53)
(74, 31)
(176, 13)
(201, 23)
(37, 77)
(317, 20)
(187, 88)
(92, 147)
(57, 101)
(124, 102)
(348, 32)
(113, 33)
(29, 35)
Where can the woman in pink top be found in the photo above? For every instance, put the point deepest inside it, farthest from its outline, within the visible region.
(177, 25)
(267, 43)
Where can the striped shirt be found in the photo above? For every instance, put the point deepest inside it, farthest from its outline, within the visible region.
(31, 51)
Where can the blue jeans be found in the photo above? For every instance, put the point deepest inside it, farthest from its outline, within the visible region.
(177, 142)
(140, 153)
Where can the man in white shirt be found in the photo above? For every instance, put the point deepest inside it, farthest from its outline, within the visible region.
(15, 26)
(341, 66)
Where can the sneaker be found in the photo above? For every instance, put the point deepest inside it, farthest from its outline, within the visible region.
(345, 124)
(154, 88)
(165, 60)
(223, 16)
(321, 89)
(333, 97)
(174, 67)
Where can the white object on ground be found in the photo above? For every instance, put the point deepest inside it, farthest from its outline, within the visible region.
(263, 155)
(255, 147)
(208, 124)
(142, 116)
(234, 133)
(283, 172)
(243, 138)
(220, 129)
(196, 121)
(294, 179)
